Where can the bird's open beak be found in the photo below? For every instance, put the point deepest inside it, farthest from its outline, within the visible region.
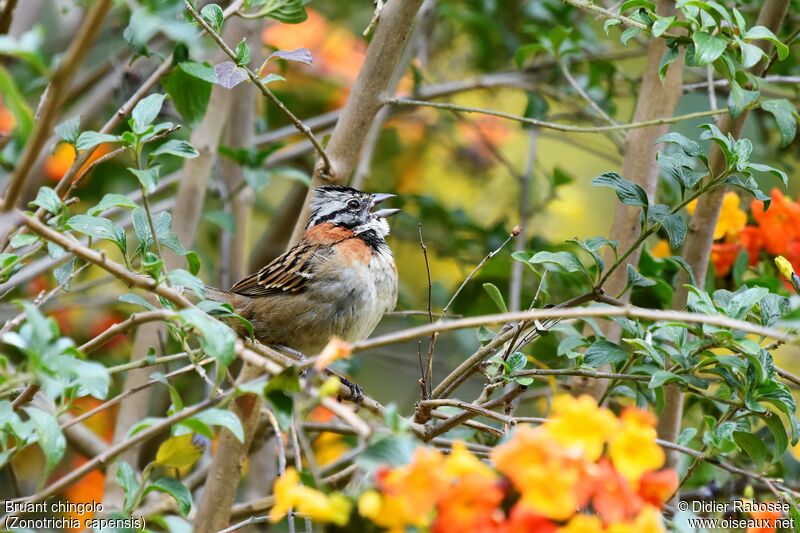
(379, 198)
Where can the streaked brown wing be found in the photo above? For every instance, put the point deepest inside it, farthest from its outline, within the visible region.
(289, 272)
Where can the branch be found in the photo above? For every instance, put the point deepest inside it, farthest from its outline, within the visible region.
(554, 125)
(100, 259)
(597, 10)
(50, 103)
(302, 128)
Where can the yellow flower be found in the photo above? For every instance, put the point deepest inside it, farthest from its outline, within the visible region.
(289, 493)
(731, 218)
(543, 472)
(417, 485)
(384, 511)
(461, 462)
(648, 521)
(369, 504)
(582, 523)
(580, 423)
(633, 449)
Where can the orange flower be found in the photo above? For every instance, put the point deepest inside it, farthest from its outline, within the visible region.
(545, 474)
(656, 487)
(723, 256)
(59, 162)
(731, 218)
(780, 224)
(582, 523)
(417, 485)
(335, 349)
(461, 462)
(648, 521)
(522, 520)
(470, 504)
(87, 491)
(770, 516)
(581, 424)
(290, 492)
(752, 240)
(633, 449)
(612, 495)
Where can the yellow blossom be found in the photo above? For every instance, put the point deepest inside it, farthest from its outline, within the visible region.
(543, 472)
(388, 512)
(647, 521)
(417, 485)
(369, 504)
(290, 493)
(581, 523)
(461, 462)
(731, 218)
(633, 449)
(580, 423)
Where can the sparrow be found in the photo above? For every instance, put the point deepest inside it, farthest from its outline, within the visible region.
(338, 280)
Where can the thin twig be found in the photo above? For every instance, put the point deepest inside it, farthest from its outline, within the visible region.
(302, 128)
(553, 125)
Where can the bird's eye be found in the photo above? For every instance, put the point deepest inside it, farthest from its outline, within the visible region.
(353, 204)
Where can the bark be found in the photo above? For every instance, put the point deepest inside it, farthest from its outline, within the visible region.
(364, 101)
(656, 99)
(185, 219)
(700, 236)
(213, 511)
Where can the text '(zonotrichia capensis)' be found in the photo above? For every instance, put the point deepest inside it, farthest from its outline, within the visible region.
(338, 280)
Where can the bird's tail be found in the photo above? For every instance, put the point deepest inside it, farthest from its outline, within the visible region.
(237, 301)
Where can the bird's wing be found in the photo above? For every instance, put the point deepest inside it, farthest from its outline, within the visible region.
(288, 273)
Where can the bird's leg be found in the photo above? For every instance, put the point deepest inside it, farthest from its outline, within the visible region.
(356, 393)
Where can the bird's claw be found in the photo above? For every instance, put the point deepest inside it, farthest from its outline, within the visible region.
(356, 393)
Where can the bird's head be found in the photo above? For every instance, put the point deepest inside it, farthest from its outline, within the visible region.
(350, 208)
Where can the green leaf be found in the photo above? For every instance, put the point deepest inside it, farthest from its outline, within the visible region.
(751, 54)
(784, 112)
(628, 192)
(629, 34)
(669, 57)
(496, 296)
(146, 112)
(126, 477)
(775, 426)
(271, 77)
(635, 279)
(69, 129)
(707, 47)
(690, 147)
(298, 55)
(213, 16)
(89, 139)
(178, 452)
(51, 439)
(286, 11)
(603, 352)
(761, 32)
(216, 339)
(20, 240)
(609, 23)
(202, 71)
(661, 25)
(63, 274)
(99, 228)
(189, 93)
(662, 377)
(229, 75)
(740, 99)
(111, 200)
(177, 148)
(135, 299)
(565, 261)
(181, 278)
(752, 446)
(672, 223)
(223, 418)
(243, 54)
(48, 200)
(176, 489)
(148, 178)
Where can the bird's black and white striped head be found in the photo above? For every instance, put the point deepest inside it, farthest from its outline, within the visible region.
(350, 208)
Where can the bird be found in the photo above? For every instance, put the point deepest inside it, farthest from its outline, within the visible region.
(337, 281)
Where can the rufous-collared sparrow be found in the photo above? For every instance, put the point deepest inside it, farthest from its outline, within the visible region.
(339, 280)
